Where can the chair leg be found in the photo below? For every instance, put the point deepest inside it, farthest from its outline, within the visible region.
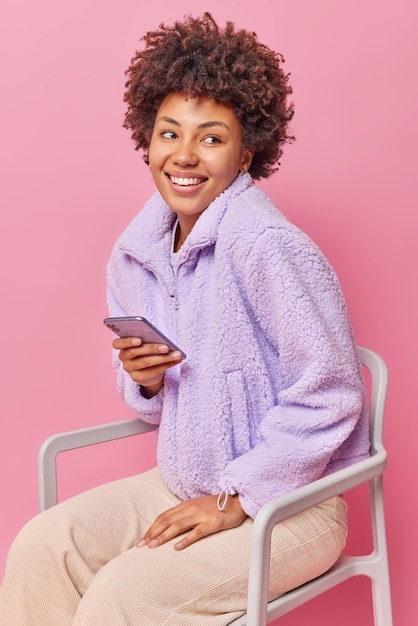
(382, 603)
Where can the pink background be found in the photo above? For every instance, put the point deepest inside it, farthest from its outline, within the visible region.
(71, 181)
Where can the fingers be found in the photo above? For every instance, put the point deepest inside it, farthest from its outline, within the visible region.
(125, 343)
(149, 369)
(145, 362)
(133, 348)
(174, 523)
(197, 518)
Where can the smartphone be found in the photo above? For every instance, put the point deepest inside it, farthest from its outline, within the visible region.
(139, 327)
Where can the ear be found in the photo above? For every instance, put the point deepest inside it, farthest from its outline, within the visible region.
(247, 157)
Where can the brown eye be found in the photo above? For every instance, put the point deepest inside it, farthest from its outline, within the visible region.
(212, 140)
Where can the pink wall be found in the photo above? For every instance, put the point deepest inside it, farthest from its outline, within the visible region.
(71, 181)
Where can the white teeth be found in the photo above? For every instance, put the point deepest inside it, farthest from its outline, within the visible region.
(185, 181)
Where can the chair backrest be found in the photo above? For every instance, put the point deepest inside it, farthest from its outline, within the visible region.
(377, 397)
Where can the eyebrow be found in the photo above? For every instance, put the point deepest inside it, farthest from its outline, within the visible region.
(209, 124)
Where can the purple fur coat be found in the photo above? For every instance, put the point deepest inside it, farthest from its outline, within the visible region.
(270, 396)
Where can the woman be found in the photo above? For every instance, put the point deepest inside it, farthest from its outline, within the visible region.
(270, 395)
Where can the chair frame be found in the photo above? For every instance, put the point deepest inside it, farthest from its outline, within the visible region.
(259, 610)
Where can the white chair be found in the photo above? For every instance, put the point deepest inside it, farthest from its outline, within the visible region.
(259, 611)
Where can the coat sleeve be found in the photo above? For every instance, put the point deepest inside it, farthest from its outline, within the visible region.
(119, 305)
(319, 421)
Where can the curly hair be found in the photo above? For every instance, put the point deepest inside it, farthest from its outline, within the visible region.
(197, 58)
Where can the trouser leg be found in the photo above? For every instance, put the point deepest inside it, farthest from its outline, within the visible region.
(58, 553)
(76, 564)
(206, 584)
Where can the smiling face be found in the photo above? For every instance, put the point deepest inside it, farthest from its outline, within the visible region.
(195, 154)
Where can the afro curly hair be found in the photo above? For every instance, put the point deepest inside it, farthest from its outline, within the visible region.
(197, 58)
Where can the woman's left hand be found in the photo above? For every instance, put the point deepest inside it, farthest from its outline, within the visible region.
(198, 518)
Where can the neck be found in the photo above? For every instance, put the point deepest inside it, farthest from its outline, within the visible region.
(184, 227)
(179, 238)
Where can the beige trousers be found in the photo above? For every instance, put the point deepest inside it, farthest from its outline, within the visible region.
(77, 562)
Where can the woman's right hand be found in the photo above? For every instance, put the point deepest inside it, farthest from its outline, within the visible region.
(146, 362)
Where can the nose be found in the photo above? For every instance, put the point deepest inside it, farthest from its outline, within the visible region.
(185, 153)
